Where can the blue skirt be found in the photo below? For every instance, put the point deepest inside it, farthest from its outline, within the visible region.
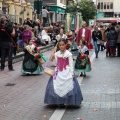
(74, 97)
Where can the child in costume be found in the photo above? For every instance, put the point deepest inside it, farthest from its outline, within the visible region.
(33, 59)
(63, 87)
(83, 64)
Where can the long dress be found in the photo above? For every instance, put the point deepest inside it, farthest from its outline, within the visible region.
(30, 64)
(82, 63)
(74, 50)
(63, 88)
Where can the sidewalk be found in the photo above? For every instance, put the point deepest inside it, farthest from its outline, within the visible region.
(101, 92)
(19, 56)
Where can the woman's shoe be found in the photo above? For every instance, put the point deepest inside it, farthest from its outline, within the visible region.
(84, 75)
(81, 74)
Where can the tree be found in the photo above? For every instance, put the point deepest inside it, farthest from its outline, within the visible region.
(87, 8)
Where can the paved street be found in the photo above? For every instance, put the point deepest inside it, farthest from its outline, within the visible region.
(22, 97)
(101, 92)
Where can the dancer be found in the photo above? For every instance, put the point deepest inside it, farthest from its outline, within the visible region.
(83, 64)
(33, 59)
(63, 88)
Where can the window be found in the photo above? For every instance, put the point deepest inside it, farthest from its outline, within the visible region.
(101, 5)
(111, 5)
(104, 5)
(61, 1)
(98, 7)
(108, 14)
(108, 5)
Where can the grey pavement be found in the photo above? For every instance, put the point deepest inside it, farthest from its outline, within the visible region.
(101, 92)
(24, 100)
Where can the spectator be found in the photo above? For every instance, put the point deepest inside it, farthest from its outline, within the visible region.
(44, 16)
(27, 34)
(112, 38)
(103, 38)
(118, 40)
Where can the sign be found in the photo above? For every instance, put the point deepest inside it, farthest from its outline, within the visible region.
(38, 6)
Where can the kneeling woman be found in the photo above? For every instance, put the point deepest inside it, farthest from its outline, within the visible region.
(63, 87)
(32, 63)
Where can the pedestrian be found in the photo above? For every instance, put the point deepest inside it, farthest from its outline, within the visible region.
(107, 42)
(102, 47)
(112, 40)
(84, 33)
(6, 33)
(16, 47)
(63, 88)
(83, 63)
(44, 16)
(32, 63)
(97, 37)
(118, 40)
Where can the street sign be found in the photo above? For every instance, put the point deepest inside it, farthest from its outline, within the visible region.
(38, 6)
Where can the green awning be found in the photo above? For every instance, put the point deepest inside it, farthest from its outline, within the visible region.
(57, 9)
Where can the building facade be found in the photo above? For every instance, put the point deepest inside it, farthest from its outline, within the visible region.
(16, 11)
(57, 9)
(108, 10)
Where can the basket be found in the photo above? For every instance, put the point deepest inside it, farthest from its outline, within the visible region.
(49, 71)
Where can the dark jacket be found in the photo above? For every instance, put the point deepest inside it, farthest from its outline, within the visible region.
(112, 38)
(96, 35)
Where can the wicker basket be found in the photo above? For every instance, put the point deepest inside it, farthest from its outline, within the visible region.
(49, 71)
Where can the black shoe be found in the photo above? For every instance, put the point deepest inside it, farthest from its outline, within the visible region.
(11, 69)
(81, 74)
(84, 75)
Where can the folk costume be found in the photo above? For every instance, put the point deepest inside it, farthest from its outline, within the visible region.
(63, 88)
(33, 60)
(84, 34)
(83, 63)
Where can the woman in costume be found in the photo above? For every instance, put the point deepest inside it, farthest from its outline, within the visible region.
(83, 64)
(63, 87)
(72, 41)
(33, 59)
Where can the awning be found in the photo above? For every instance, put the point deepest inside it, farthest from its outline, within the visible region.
(109, 21)
(56, 9)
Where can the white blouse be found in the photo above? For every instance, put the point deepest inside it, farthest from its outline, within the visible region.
(83, 49)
